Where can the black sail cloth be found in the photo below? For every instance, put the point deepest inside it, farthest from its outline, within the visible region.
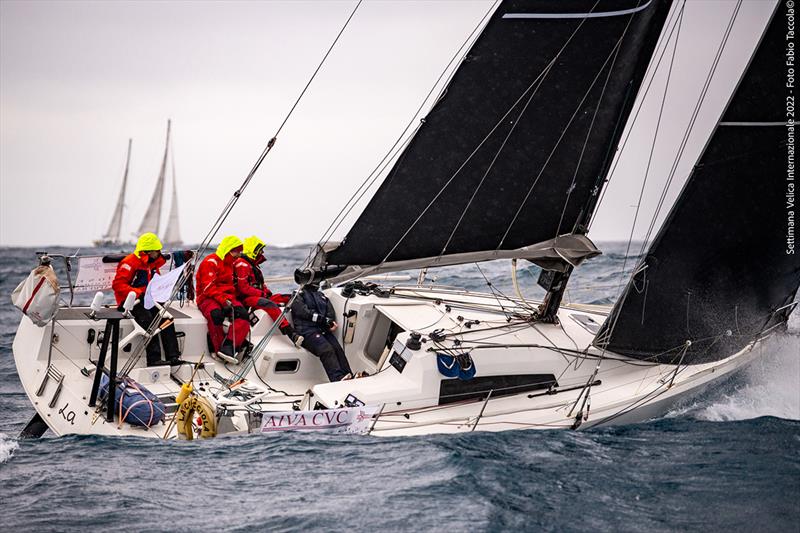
(720, 271)
(519, 143)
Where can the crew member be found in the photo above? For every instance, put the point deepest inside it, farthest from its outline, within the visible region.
(315, 319)
(133, 274)
(252, 290)
(216, 298)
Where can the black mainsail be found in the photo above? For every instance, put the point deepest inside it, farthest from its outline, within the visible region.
(722, 270)
(509, 160)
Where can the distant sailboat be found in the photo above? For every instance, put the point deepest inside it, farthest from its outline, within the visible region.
(111, 236)
(172, 235)
(152, 218)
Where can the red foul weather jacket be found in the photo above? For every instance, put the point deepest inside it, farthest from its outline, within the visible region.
(133, 274)
(250, 281)
(215, 279)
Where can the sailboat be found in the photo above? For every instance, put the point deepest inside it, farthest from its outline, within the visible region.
(151, 222)
(111, 236)
(508, 164)
(172, 235)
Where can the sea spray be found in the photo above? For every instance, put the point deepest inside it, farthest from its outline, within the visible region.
(7, 448)
(767, 387)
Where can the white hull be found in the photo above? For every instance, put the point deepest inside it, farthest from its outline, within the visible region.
(411, 402)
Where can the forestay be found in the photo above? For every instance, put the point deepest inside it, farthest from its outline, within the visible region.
(516, 150)
(723, 269)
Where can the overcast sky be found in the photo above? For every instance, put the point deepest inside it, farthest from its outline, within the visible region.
(77, 79)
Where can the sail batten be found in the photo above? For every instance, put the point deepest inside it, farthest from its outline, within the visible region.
(512, 152)
(720, 272)
(152, 217)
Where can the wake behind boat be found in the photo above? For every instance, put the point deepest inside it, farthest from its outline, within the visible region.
(518, 177)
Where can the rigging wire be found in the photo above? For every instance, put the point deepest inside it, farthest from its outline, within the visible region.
(542, 74)
(513, 127)
(558, 142)
(622, 294)
(591, 127)
(687, 133)
(397, 146)
(492, 288)
(187, 272)
(652, 70)
(653, 144)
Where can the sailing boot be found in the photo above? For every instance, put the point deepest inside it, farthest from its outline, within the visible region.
(244, 350)
(227, 353)
(289, 331)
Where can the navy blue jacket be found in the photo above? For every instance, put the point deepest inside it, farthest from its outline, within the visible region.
(307, 304)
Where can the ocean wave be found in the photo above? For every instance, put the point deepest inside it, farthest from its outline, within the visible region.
(767, 387)
(7, 447)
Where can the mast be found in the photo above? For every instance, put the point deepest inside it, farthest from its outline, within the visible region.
(152, 218)
(172, 235)
(114, 227)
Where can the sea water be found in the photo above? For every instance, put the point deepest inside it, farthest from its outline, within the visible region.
(728, 459)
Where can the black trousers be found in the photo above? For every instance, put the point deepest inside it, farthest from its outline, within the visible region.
(330, 353)
(144, 317)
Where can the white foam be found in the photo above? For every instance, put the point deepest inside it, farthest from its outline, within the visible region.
(7, 448)
(770, 386)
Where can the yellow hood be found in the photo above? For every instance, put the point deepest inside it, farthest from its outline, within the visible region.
(252, 246)
(228, 243)
(148, 242)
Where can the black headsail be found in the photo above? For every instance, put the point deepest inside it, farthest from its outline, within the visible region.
(508, 160)
(723, 269)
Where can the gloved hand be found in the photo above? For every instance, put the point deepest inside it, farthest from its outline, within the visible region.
(228, 305)
(263, 302)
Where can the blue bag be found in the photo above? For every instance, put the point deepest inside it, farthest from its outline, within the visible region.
(460, 366)
(133, 403)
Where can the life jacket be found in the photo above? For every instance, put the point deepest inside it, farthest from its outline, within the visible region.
(134, 272)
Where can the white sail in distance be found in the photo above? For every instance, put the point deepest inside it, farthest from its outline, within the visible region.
(152, 218)
(172, 235)
(115, 226)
